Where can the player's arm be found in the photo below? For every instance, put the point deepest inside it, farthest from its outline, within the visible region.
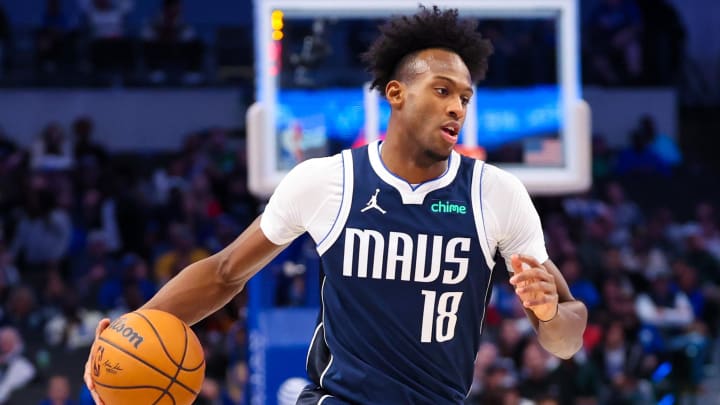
(558, 318)
(207, 285)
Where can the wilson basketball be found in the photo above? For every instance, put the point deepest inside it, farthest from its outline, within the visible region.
(148, 357)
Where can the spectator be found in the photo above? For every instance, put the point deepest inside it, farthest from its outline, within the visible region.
(512, 340)
(58, 391)
(42, 235)
(16, 371)
(98, 216)
(625, 212)
(709, 227)
(183, 252)
(136, 288)
(687, 281)
(110, 48)
(171, 45)
(615, 29)
(487, 354)
(697, 255)
(10, 154)
(55, 39)
(618, 301)
(96, 275)
(536, 375)
(661, 144)
(23, 312)
(9, 275)
(492, 377)
(640, 159)
(498, 378)
(663, 42)
(669, 329)
(52, 151)
(624, 367)
(73, 328)
(580, 287)
(87, 153)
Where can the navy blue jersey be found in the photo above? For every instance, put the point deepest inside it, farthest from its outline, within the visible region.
(404, 288)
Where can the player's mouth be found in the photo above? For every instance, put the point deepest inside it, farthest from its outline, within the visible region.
(450, 132)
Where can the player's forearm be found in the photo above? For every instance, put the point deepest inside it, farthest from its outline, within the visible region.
(207, 285)
(563, 335)
(196, 292)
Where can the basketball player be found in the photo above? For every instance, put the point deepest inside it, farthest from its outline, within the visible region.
(407, 230)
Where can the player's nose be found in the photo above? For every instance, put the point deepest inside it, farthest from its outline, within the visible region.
(456, 109)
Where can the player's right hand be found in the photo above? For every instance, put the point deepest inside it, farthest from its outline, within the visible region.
(88, 366)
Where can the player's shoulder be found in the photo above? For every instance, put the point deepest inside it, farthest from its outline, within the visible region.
(500, 181)
(320, 166)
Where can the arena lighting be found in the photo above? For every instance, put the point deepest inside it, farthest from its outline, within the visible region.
(275, 46)
(276, 22)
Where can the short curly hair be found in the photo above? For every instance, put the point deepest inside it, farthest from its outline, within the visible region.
(429, 28)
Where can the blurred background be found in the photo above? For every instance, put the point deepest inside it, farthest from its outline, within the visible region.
(123, 159)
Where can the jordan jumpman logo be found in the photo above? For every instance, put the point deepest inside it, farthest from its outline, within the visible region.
(373, 203)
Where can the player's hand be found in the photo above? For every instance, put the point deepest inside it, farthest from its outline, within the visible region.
(88, 366)
(535, 287)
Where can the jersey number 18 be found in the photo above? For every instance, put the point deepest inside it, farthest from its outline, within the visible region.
(440, 313)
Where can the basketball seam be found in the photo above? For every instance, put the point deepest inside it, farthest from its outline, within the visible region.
(177, 372)
(162, 344)
(130, 387)
(113, 344)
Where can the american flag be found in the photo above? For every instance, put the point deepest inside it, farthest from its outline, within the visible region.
(543, 152)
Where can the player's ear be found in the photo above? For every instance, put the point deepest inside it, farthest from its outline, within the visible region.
(395, 93)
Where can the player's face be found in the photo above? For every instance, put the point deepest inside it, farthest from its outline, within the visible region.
(436, 101)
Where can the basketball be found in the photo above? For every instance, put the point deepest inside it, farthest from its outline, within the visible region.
(148, 357)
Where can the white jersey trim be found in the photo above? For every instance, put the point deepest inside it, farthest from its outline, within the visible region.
(324, 397)
(322, 299)
(412, 194)
(478, 212)
(345, 205)
(312, 344)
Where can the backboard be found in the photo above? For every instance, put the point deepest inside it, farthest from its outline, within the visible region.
(313, 97)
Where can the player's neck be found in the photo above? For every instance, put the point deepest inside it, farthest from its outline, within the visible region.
(409, 163)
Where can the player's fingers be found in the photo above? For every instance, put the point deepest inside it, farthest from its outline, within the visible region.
(529, 260)
(89, 382)
(516, 264)
(102, 325)
(535, 301)
(96, 398)
(86, 376)
(535, 288)
(528, 276)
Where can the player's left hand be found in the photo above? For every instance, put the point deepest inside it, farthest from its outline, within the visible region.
(535, 286)
(102, 325)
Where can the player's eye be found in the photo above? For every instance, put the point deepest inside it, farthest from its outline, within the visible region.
(442, 91)
(465, 100)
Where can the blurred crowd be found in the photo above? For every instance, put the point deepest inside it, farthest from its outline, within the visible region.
(92, 42)
(87, 233)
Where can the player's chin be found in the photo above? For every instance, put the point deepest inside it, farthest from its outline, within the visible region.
(439, 152)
